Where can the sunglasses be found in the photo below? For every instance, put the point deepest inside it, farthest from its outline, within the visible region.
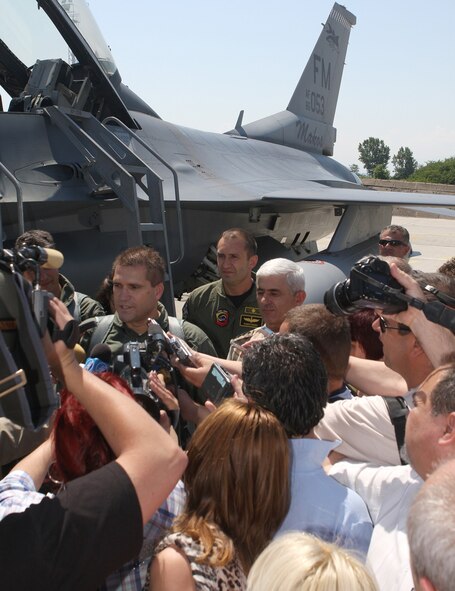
(401, 328)
(391, 242)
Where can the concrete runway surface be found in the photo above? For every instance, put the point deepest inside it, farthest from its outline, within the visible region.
(432, 239)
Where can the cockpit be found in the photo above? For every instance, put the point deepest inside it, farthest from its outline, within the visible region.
(53, 53)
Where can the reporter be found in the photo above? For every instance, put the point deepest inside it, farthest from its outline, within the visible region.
(237, 495)
(102, 513)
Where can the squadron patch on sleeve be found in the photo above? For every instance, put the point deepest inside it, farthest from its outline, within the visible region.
(222, 317)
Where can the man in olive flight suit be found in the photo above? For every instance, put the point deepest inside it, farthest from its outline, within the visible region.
(228, 308)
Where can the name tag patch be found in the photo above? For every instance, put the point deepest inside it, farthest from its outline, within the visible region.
(251, 317)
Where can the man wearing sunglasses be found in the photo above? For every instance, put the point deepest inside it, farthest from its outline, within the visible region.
(365, 424)
(394, 241)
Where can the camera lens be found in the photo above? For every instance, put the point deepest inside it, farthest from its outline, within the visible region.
(336, 299)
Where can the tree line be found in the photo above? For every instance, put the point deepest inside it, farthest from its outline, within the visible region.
(375, 156)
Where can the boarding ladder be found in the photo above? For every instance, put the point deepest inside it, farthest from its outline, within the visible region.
(110, 161)
(19, 200)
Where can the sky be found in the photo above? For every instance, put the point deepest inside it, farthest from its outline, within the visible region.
(199, 63)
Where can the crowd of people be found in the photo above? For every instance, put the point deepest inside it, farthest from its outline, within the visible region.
(328, 464)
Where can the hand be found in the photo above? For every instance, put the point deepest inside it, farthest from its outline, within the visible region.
(208, 404)
(258, 336)
(195, 375)
(412, 289)
(437, 342)
(60, 358)
(411, 286)
(163, 393)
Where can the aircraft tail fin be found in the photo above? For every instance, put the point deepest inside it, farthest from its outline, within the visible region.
(316, 93)
(307, 123)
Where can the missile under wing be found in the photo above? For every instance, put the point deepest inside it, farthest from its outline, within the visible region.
(84, 157)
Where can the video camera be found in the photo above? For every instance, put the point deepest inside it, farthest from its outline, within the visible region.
(32, 257)
(138, 359)
(370, 285)
(135, 368)
(27, 396)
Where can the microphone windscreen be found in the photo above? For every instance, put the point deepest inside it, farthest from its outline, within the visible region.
(102, 351)
(95, 365)
(54, 259)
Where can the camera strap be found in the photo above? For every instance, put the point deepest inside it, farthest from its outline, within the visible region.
(69, 334)
(441, 296)
(398, 412)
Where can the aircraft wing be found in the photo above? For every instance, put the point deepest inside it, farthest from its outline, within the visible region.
(436, 211)
(349, 195)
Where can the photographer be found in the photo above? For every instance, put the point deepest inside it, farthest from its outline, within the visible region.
(373, 377)
(372, 427)
(100, 514)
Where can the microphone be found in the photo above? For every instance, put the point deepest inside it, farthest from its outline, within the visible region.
(54, 259)
(102, 352)
(156, 339)
(49, 258)
(100, 359)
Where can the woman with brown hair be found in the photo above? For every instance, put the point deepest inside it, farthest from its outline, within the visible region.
(237, 485)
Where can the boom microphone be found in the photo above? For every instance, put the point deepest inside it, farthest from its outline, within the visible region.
(49, 258)
(54, 259)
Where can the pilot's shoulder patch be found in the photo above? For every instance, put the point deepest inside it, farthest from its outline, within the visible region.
(222, 317)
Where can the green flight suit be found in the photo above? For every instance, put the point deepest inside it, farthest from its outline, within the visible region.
(212, 310)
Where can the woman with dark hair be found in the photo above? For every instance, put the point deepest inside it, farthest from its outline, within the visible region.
(237, 485)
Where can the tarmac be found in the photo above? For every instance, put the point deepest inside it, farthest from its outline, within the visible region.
(432, 239)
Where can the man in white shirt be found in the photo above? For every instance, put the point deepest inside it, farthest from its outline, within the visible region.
(389, 491)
